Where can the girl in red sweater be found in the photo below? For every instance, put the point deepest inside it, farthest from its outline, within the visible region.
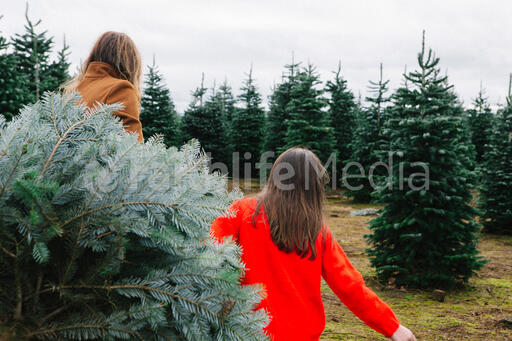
(287, 248)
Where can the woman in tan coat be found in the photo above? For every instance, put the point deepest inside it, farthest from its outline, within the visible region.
(111, 74)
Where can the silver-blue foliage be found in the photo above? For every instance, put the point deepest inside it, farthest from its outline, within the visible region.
(102, 237)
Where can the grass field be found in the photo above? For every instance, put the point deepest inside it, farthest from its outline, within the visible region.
(481, 311)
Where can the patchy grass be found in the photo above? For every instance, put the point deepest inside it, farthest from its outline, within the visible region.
(473, 313)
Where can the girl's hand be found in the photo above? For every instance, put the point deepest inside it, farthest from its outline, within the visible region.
(403, 334)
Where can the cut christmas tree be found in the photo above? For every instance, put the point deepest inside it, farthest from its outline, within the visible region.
(106, 238)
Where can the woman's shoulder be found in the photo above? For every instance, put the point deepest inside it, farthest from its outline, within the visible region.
(121, 91)
(107, 85)
(121, 85)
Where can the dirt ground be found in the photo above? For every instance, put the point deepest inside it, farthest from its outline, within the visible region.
(481, 311)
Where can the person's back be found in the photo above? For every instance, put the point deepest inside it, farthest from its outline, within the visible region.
(101, 84)
(111, 74)
(286, 276)
(291, 272)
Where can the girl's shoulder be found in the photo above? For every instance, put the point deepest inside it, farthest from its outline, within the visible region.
(245, 204)
(244, 208)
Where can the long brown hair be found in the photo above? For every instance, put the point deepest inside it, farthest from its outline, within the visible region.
(119, 51)
(293, 200)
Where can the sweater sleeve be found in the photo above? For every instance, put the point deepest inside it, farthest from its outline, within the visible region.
(227, 225)
(348, 284)
(125, 93)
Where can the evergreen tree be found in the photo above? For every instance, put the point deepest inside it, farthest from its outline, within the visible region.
(480, 122)
(32, 50)
(278, 116)
(228, 110)
(426, 235)
(247, 126)
(228, 102)
(105, 238)
(203, 121)
(158, 114)
(400, 104)
(59, 69)
(496, 188)
(369, 145)
(342, 114)
(190, 122)
(13, 92)
(308, 124)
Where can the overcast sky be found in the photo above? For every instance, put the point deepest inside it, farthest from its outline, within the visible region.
(223, 37)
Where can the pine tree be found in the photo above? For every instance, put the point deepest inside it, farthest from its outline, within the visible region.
(426, 235)
(228, 102)
(369, 145)
(480, 122)
(308, 124)
(342, 115)
(203, 121)
(158, 114)
(191, 122)
(496, 200)
(59, 69)
(247, 126)
(13, 90)
(278, 116)
(105, 238)
(32, 51)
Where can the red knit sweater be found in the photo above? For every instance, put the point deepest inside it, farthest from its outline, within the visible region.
(292, 284)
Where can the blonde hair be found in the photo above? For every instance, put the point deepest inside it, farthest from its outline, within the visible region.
(119, 51)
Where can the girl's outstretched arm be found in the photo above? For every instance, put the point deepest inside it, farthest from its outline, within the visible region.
(348, 284)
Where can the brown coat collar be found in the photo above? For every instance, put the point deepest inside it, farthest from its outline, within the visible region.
(100, 70)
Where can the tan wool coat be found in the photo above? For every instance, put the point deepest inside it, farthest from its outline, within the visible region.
(102, 84)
